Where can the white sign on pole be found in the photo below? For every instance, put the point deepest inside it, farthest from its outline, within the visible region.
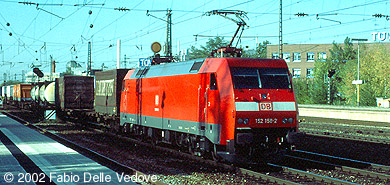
(356, 82)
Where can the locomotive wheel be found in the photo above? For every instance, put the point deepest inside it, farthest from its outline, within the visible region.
(191, 148)
(126, 128)
(154, 138)
(178, 140)
(213, 153)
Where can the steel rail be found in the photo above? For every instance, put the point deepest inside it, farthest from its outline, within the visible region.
(358, 171)
(242, 171)
(313, 176)
(351, 162)
(362, 138)
(364, 172)
(112, 164)
(359, 129)
(229, 167)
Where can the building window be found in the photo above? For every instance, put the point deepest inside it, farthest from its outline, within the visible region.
(309, 73)
(296, 73)
(310, 56)
(286, 57)
(322, 56)
(275, 55)
(297, 57)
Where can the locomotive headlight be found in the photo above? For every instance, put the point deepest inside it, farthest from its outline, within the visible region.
(246, 121)
(290, 120)
(240, 121)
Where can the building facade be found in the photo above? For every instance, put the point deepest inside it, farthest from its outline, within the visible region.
(300, 58)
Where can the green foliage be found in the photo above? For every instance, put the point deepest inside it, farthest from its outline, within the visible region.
(10, 82)
(205, 51)
(261, 51)
(374, 69)
(68, 71)
(339, 57)
(303, 90)
(219, 42)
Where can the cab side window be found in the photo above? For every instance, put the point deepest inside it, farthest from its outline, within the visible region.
(123, 85)
(213, 82)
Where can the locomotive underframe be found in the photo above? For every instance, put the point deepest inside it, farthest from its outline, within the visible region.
(197, 137)
(194, 144)
(260, 142)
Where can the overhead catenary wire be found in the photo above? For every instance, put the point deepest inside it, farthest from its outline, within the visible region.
(192, 15)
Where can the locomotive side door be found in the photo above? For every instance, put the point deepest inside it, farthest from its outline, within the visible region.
(212, 100)
(202, 108)
(138, 94)
(138, 101)
(209, 106)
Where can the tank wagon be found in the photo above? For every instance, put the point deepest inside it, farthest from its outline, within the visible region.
(226, 107)
(43, 95)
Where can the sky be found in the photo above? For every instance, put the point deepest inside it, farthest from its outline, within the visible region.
(32, 32)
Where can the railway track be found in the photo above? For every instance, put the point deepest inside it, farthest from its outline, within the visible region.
(371, 134)
(313, 168)
(341, 168)
(114, 165)
(301, 167)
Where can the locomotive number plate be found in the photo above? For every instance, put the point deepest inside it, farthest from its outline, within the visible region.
(266, 106)
(267, 120)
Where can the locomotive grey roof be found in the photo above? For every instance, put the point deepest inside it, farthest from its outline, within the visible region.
(169, 69)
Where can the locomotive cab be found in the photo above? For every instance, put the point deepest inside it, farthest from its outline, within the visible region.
(265, 109)
(259, 114)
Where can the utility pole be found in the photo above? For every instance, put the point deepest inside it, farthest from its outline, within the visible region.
(168, 46)
(89, 58)
(169, 33)
(23, 74)
(124, 60)
(2, 52)
(280, 31)
(118, 54)
(358, 81)
(51, 67)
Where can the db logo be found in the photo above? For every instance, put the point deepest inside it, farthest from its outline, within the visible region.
(266, 106)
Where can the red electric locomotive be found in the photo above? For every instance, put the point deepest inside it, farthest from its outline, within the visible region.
(226, 107)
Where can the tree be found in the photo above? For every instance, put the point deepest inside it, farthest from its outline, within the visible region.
(205, 51)
(261, 51)
(68, 71)
(10, 82)
(302, 90)
(374, 70)
(332, 69)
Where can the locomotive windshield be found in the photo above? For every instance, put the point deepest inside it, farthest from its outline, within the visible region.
(260, 78)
